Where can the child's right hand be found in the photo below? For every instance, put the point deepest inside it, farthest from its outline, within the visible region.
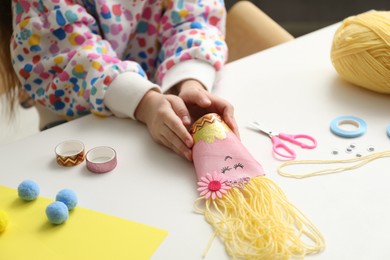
(159, 113)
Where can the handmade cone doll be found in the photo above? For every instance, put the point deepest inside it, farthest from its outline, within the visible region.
(248, 211)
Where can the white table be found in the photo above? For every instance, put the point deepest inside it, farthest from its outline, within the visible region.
(293, 88)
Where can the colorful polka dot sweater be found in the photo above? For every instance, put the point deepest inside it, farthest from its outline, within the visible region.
(101, 56)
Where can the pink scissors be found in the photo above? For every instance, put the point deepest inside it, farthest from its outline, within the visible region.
(280, 148)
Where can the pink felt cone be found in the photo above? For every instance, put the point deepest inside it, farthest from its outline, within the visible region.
(248, 211)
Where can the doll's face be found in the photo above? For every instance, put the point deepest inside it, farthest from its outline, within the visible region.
(231, 164)
(227, 156)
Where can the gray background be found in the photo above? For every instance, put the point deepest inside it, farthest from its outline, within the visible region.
(303, 16)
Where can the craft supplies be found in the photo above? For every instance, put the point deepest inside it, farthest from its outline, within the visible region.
(352, 148)
(335, 152)
(280, 148)
(359, 124)
(354, 163)
(28, 190)
(70, 153)
(247, 210)
(361, 50)
(388, 130)
(68, 197)
(3, 221)
(101, 159)
(87, 234)
(57, 212)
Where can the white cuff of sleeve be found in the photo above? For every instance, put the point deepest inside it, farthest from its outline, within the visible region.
(190, 69)
(125, 93)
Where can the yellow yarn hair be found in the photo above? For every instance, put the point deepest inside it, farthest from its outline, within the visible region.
(361, 50)
(350, 164)
(258, 222)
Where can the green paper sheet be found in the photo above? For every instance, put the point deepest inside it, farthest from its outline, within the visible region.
(87, 234)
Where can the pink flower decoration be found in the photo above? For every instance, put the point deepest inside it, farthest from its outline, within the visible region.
(213, 185)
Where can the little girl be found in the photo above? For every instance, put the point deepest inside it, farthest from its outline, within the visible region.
(150, 60)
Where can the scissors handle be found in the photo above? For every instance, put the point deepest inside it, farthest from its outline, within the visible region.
(309, 144)
(281, 149)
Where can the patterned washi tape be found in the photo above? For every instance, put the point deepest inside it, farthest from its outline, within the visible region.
(101, 159)
(351, 120)
(70, 153)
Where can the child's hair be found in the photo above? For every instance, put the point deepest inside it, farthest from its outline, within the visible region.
(8, 76)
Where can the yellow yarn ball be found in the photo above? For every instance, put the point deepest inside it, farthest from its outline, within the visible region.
(361, 50)
(3, 221)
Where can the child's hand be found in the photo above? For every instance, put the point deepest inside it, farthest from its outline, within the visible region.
(164, 116)
(199, 102)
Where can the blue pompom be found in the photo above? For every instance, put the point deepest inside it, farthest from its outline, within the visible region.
(28, 190)
(68, 197)
(57, 212)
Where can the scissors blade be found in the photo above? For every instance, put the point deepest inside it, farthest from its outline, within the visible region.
(255, 125)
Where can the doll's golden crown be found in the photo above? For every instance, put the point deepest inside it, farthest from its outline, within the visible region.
(208, 128)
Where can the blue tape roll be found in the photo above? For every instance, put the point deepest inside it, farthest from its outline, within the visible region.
(388, 130)
(352, 120)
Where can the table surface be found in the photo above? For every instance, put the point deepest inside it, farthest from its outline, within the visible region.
(292, 88)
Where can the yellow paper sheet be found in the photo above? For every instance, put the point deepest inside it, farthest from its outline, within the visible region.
(87, 234)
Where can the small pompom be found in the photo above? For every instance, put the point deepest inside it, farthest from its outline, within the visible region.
(28, 190)
(57, 212)
(3, 221)
(68, 197)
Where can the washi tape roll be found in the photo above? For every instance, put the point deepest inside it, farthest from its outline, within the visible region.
(388, 130)
(101, 159)
(70, 153)
(360, 124)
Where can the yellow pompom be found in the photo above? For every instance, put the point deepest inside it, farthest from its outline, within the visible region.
(361, 50)
(3, 221)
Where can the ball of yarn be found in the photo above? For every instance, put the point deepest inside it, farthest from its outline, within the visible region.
(28, 190)
(361, 50)
(3, 221)
(57, 212)
(68, 197)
